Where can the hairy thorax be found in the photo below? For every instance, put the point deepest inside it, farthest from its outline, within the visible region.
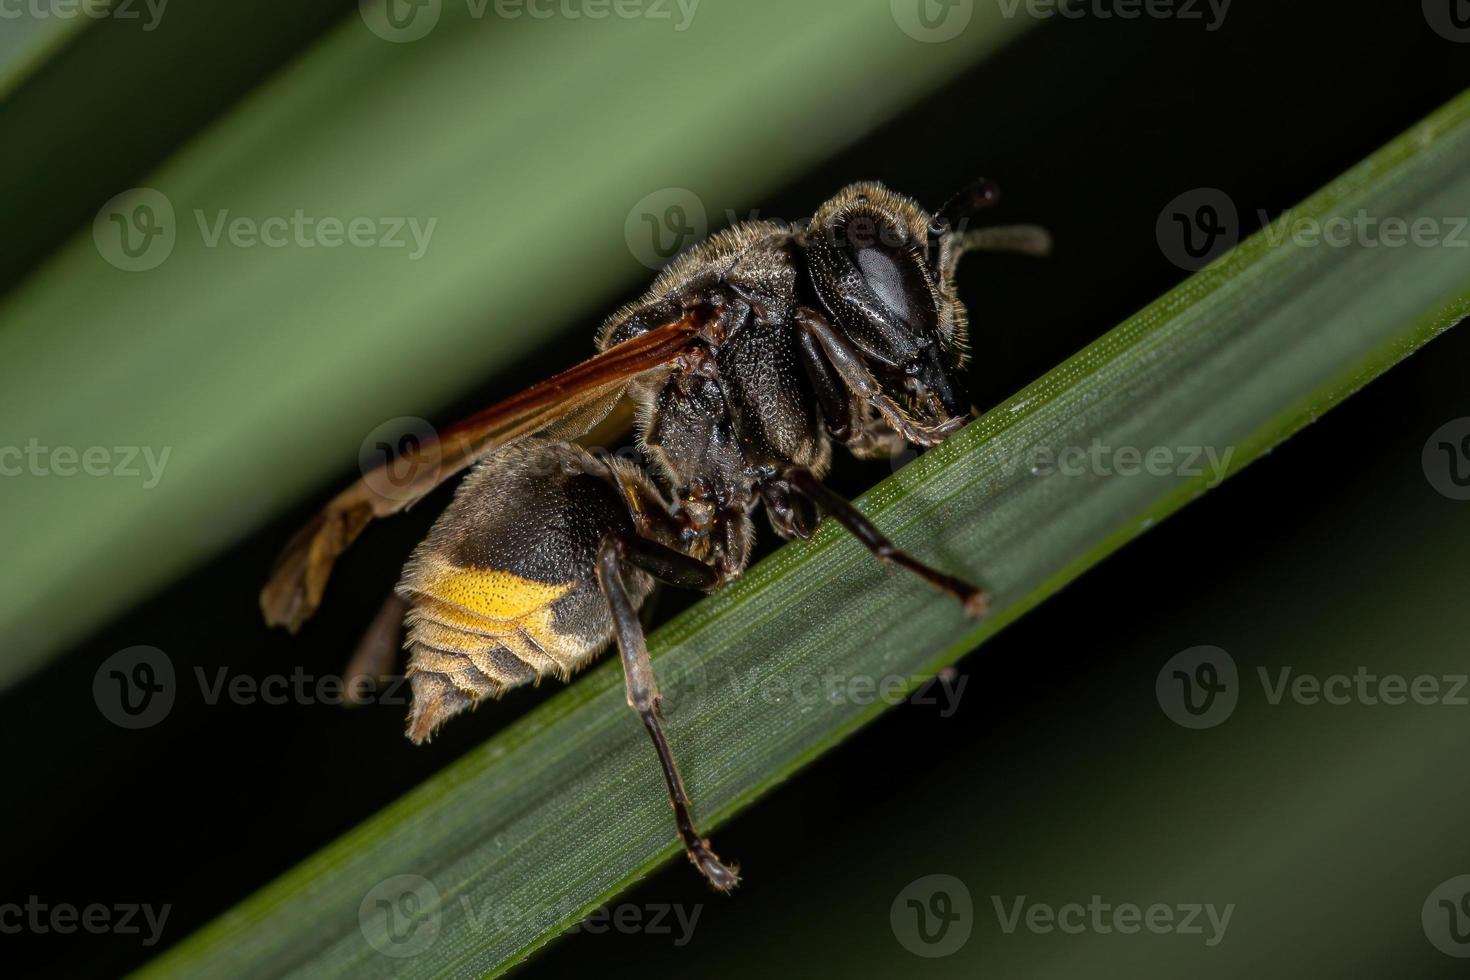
(734, 411)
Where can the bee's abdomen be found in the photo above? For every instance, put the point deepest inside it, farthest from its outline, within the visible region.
(476, 633)
(503, 591)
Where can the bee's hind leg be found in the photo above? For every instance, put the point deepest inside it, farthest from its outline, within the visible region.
(643, 694)
(377, 653)
(974, 599)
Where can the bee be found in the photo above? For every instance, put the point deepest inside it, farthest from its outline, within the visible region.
(750, 355)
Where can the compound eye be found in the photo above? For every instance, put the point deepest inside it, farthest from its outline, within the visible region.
(895, 276)
(895, 281)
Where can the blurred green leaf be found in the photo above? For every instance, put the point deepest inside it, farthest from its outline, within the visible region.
(564, 808)
(89, 116)
(27, 40)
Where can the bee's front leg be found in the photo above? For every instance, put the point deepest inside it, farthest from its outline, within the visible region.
(676, 568)
(831, 360)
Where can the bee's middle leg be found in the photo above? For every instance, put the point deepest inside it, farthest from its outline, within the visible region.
(676, 568)
(974, 599)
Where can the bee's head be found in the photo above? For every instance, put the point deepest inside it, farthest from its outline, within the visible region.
(875, 263)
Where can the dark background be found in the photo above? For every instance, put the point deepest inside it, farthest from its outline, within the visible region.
(1090, 127)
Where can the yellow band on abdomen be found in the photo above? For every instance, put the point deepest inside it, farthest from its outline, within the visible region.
(494, 594)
